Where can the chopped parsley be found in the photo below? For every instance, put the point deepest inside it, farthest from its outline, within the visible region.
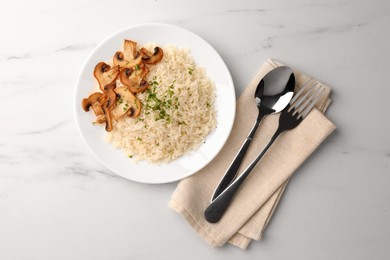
(190, 71)
(161, 104)
(126, 107)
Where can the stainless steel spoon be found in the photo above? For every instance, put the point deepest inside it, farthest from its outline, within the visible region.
(273, 93)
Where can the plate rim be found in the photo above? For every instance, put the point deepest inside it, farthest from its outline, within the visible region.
(121, 31)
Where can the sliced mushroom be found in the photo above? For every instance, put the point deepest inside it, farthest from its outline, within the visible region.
(97, 108)
(130, 57)
(132, 78)
(93, 98)
(112, 85)
(111, 98)
(107, 114)
(132, 66)
(143, 85)
(107, 103)
(127, 104)
(100, 119)
(105, 75)
(108, 99)
(149, 57)
(146, 53)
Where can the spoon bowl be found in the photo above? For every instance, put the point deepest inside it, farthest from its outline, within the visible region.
(276, 89)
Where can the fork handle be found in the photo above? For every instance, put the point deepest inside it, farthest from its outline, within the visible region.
(217, 208)
(231, 172)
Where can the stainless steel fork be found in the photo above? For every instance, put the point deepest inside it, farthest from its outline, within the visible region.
(299, 107)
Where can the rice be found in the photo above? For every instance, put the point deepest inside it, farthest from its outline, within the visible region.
(177, 111)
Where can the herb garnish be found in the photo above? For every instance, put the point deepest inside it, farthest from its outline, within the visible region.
(161, 104)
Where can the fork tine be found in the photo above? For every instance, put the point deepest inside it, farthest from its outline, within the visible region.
(302, 104)
(307, 98)
(300, 91)
(312, 104)
(300, 97)
(298, 104)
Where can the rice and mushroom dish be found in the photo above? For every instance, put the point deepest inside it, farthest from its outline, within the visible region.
(171, 110)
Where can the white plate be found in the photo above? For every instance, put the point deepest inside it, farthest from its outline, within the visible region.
(205, 56)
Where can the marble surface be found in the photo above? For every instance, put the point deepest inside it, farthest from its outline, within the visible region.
(58, 202)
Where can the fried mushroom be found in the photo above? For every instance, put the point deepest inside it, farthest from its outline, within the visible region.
(131, 66)
(86, 103)
(100, 119)
(133, 78)
(149, 57)
(105, 75)
(127, 104)
(130, 57)
(107, 115)
(109, 99)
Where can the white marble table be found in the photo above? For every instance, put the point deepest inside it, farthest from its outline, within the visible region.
(58, 202)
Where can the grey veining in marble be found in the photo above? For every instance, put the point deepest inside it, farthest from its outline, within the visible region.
(58, 202)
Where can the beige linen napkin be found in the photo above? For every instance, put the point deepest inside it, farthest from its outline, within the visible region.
(256, 200)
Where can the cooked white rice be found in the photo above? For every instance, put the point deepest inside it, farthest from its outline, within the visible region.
(177, 111)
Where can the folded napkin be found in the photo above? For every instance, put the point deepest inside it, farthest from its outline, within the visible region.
(256, 200)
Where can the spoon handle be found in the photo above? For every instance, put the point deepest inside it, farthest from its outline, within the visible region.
(231, 172)
(217, 207)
